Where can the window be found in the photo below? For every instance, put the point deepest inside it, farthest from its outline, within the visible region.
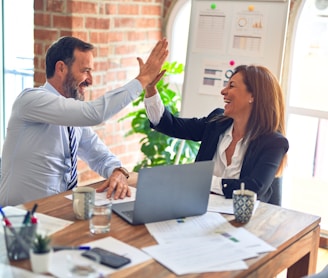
(17, 52)
(177, 29)
(306, 177)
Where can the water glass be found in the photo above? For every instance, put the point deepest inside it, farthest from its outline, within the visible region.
(100, 218)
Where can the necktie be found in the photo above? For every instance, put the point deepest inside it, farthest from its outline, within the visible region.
(73, 149)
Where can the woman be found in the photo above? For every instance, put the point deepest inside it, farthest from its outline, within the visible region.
(245, 140)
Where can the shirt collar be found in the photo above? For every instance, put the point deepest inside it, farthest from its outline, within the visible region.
(50, 88)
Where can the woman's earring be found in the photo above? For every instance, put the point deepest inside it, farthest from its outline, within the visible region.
(250, 101)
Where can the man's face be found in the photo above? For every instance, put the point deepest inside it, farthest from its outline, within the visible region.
(78, 76)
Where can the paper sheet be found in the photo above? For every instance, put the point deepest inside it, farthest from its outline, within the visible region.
(195, 226)
(101, 198)
(199, 255)
(202, 243)
(218, 203)
(62, 261)
(208, 224)
(9, 271)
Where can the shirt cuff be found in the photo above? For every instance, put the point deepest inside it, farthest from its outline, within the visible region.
(154, 108)
(216, 186)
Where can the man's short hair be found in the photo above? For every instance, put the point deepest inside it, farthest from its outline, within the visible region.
(63, 50)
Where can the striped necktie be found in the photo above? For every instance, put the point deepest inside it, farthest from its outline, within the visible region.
(73, 149)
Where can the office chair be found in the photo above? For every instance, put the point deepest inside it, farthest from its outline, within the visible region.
(322, 274)
(277, 192)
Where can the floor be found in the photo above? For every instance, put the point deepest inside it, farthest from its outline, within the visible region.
(322, 259)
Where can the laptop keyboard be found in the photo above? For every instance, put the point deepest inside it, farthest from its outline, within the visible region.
(128, 213)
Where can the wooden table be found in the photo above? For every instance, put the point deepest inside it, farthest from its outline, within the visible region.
(295, 235)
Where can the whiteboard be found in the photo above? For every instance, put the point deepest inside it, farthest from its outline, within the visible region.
(223, 35)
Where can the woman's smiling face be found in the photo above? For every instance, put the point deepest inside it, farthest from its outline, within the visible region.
(236, 98)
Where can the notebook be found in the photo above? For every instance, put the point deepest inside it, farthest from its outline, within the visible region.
(169, 192)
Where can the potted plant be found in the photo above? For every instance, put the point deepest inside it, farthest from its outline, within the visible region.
(40, 253)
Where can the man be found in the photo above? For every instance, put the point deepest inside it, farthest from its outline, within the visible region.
(39, 150)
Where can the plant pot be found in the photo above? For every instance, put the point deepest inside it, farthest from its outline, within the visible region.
(40, 262)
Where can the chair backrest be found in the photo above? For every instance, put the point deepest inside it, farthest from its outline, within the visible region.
(277, 192)
(322, 274)
(0, 169)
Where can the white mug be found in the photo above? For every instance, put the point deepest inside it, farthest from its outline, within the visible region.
(83, 198)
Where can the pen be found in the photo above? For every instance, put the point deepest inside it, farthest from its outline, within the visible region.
(5, 219)
(26, 217)
(34, 208)
(34, 220)
(8, 224)
(58, 248)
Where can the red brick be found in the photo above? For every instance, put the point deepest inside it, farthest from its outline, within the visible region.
(97, 23)
(62, 21)
(83, 7)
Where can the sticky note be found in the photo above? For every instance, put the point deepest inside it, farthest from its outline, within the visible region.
(251, 8)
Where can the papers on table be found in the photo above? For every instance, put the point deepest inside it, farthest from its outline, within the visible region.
(203, 243)
(46, 223)
(63, 261)
(9, 271)
(218, 203)
(193, 255)
(101, 198)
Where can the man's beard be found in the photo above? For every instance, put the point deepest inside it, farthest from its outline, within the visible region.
(70, 88)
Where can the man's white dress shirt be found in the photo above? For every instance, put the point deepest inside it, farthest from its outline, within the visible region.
(36, 156)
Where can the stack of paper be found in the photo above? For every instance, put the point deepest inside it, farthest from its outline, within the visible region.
(9, 271)
(101, 197)
(218, 203)
(63, 262)
(203, 244)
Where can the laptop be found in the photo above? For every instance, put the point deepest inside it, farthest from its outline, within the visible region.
(169, 192)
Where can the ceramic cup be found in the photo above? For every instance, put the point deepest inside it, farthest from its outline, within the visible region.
(243, 205)
(83, 199)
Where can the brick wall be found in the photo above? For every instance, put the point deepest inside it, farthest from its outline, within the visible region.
(120, 31)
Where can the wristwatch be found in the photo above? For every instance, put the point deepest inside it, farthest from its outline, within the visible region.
(124, 171)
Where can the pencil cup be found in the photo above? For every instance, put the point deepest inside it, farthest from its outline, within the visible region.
(99, 222)
(243, 205)
(18, 237)
(83, 198)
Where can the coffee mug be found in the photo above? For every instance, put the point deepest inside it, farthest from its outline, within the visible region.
(243, 204)
(83, 199)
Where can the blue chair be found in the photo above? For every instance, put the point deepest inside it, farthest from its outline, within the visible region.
(277, 192)
(322, 274)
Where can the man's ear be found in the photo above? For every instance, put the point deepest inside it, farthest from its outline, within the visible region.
(60, 67)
